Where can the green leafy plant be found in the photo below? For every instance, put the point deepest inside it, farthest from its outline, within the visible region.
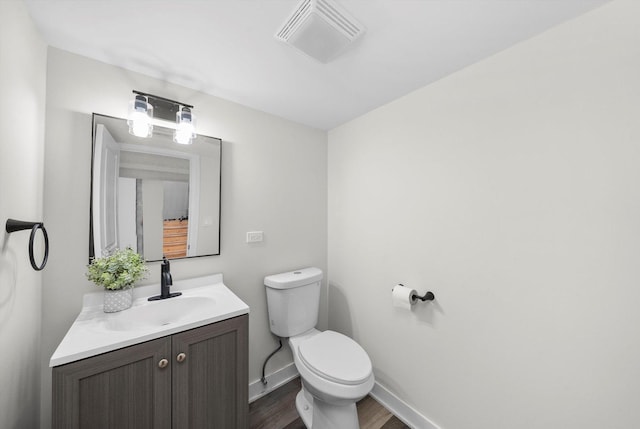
(119, 270)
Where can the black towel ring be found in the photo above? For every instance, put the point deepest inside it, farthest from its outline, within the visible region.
(19, 225)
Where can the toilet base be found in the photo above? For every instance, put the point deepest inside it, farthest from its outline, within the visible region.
(305, 407)
(317, 414)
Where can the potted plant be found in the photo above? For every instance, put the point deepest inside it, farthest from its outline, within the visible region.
(117, 273)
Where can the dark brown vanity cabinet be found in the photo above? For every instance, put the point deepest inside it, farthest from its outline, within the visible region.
(193, 379)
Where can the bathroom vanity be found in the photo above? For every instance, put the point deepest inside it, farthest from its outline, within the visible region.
(177, 363)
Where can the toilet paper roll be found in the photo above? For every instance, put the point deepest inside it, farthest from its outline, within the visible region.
(403, 297)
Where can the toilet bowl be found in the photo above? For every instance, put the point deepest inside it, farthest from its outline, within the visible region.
(336, 372)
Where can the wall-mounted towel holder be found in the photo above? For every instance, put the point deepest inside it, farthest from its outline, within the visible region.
(13, 225)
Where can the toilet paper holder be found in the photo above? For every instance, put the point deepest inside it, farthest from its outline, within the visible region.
(429, 296)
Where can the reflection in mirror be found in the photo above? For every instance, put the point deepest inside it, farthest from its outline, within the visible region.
(153, 195)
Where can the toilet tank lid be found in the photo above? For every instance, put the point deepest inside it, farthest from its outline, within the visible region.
(293, 279)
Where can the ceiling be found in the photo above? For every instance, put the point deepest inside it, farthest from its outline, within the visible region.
(227, 48)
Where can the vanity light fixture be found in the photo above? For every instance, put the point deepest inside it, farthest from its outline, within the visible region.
(147, 110)
(140, 117)
(185, 123)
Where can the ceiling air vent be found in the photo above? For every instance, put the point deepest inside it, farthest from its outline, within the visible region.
(321, 29)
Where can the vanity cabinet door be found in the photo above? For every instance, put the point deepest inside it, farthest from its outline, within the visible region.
(126, 388)
(210, 376)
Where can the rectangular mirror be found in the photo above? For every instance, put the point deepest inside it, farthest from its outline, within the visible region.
(153, 195)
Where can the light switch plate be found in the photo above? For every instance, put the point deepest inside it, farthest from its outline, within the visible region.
(254, 236)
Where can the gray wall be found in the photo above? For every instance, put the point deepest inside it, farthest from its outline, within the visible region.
(274, 179)
(22, 98)
(511, 190)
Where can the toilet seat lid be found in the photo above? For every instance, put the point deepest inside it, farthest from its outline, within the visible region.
(335, 357)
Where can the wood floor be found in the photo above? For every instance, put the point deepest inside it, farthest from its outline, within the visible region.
(277, 410)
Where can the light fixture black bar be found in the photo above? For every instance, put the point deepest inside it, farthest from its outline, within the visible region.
(163, 99)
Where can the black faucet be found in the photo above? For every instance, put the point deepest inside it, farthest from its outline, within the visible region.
(165, 282)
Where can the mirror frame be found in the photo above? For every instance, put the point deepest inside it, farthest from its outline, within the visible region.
(92, 254)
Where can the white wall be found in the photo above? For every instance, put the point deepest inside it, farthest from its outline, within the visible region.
(152, 201)
(274, 179)
(127, 213)
(511, 190)
(22, 98)
(208, 210)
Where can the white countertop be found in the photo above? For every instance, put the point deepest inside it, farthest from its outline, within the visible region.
(204, 300)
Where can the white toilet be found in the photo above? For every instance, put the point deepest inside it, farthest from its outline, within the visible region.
(335, 371)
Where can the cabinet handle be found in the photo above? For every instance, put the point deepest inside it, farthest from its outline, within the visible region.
(181, 357)
(163, 363)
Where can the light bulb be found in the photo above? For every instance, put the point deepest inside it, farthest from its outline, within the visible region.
(139, 118)
(140, 124)
(185, 127)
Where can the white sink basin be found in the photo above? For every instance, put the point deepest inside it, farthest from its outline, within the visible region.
(204, 300)
(160, 313)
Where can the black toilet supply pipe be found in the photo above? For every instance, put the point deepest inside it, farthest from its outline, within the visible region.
(264, 366)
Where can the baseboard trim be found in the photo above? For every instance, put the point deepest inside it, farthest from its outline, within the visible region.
(282, 376)
(385, 397)
(400, 409)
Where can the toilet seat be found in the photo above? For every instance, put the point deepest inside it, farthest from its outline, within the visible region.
(335, 357)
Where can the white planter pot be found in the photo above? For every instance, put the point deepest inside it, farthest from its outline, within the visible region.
(117, 300)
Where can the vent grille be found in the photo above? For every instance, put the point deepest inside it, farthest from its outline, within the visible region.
(320, 29)
(338, 18)
(294, 21)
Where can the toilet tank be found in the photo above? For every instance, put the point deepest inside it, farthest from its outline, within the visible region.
(293, 299)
